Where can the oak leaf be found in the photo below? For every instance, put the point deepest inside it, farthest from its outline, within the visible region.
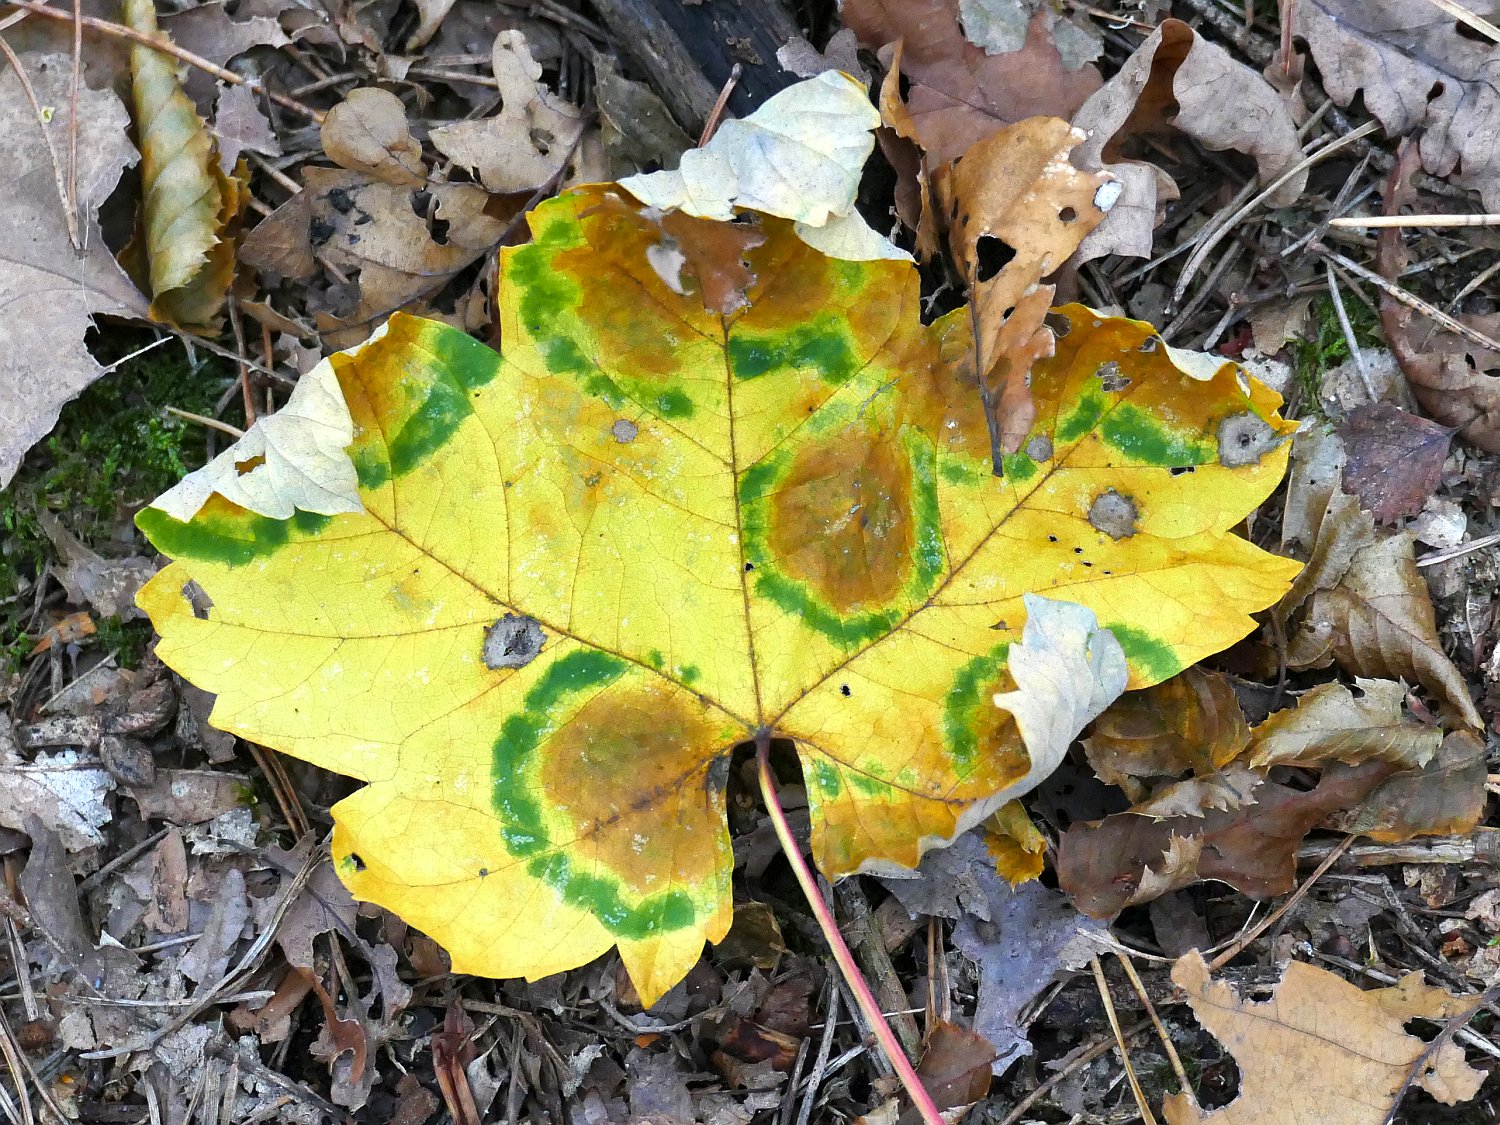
(1321, 1049)
(587, 569)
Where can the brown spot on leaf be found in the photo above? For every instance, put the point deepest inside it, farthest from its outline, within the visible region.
(842, 521)
(513, 642)
(1114, 514)
(631, 771)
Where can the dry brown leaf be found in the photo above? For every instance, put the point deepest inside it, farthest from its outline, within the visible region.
(1446, 797)
(531, 138)
(1455, 380)
(49, 292)
(1416, 65)
(1330, 723)
(367, 132)
(1321, 1050)
(372, 227)
(1362, 602)
(1317, 465)
(1127, 858)
(240, 125)
(959, 94)
(1014, 210)
(636, 127)
(1394, 459)
(1176, 79)
(1190, 723)
(955, 1065)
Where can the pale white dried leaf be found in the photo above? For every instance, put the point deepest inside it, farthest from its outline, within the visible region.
(1068, 669)
(62, 791)
(798, 156)
(294, 459)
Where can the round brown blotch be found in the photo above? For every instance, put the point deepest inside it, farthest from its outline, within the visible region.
(624, 431)
(1115, 514)
(1039, 448)
(1244, 439)
(841, 521)
(633, 774)
(1110, 378)
(513, 642)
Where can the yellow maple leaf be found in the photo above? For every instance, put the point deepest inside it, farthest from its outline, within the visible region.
(587, 569)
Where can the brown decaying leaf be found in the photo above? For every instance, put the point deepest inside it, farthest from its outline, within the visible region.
(1394, 459)
(1330, 723)
(1416, 66)
(1176, 79)
(367, 132)
(1190, 723)
(1446, 797)
(1321, 1050)
(1013, 197)
(240, 125)
(1362, 602)
(1318, 459)
(532, 136)
(635, 125)
(189, 205)
(959, 94)
(1455, 380)
(955, 1066)
(1126, 858)
(369, 226)
(50, 292)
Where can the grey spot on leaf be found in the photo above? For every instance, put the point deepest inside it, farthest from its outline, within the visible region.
(1110, 378)
(1039, 448)
(1244, 439)
(513, 642)
(1114, 514)
(624, 431)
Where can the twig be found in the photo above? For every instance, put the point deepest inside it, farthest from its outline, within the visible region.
(863, 997)
(1114, 1025)
(1411, 301)
(1161, 1031)
(1206, 246)
(1373, 221)
(1463, 15)
(1459, 551)
(1073, 1061)
(1355, 353)
(205, 420)
(825, 1049)
(711, 125)
(1270, 919)
(167, 47)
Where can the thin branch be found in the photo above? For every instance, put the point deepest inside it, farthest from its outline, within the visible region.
(167, 47)
(863, 997)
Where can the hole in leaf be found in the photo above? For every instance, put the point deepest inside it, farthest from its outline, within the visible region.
(359, 864)
(993, 255)
(1067, 214)
(249, 464)
(844, 690)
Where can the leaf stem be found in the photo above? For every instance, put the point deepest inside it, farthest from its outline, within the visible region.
(921, 1099)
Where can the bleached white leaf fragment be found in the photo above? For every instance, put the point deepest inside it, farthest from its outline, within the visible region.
(798, 156)
(1068, 669)
(294, 459)
(58, 789)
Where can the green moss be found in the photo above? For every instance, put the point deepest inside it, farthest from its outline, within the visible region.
(114, 449)
(1326, 347)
